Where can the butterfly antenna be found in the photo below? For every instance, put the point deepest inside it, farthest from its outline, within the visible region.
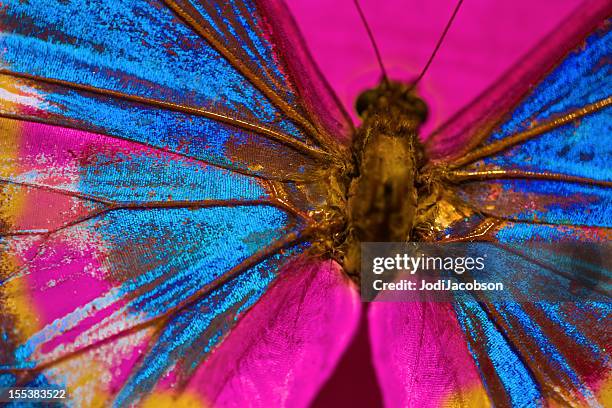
(385, 78)
(435, 51)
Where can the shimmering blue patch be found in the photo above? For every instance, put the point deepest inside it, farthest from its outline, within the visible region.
(523, 232)
(579, 149)
(141, 178)
(519, 320)
(237, 21)
(139, 48)
(567, 324)
(570, 203)
(7, 380)
(552, 202)
(190, 336)
(198, 245)
(583, 77)
(194, 136)
(561, 340)
(518, 383)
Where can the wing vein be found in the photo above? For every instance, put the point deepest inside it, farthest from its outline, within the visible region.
(175, 107)
(245, 172)
(462, 176)
(510, 141)
(243, 69)
(111, 205)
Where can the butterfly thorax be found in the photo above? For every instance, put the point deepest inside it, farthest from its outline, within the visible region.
(382, 194)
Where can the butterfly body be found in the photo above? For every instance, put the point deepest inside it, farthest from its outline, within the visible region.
(382, 194)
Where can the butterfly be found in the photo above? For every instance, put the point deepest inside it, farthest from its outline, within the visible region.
(183, 199)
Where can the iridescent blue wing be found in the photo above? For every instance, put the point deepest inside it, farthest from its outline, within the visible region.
(158, 161)
(530, 162)
(148, 75)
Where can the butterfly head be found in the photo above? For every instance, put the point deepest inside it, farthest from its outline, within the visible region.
(395, 98)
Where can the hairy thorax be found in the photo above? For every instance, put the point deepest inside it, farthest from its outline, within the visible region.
(382, 194)
(385, 194)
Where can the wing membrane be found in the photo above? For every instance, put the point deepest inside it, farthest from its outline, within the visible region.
(530, 162)
(172, 145)
(232, 146)
(137, 48)
(137, 265)
(541, 201)
(191, 334)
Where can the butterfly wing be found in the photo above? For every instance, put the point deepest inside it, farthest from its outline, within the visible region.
(151, 156)
(529, 162)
